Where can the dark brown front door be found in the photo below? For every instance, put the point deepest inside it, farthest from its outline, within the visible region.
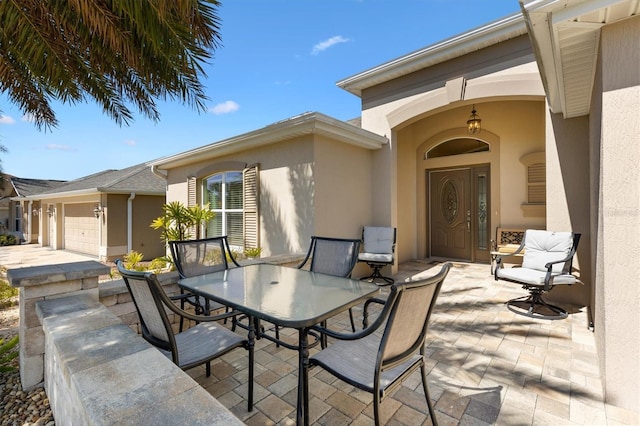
(450, 211)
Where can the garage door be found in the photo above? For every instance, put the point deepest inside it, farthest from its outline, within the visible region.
(80, 228)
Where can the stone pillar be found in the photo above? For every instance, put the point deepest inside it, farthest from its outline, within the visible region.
(47, 282)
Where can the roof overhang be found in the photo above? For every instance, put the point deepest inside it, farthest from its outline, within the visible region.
(80, 193)
(304, 124)
(490, 34)
(565, 35)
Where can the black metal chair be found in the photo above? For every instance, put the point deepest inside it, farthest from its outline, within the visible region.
(198, 257)
(546, 263)
(332, 256)
(378, 362)
(199, 344)
(378, 251)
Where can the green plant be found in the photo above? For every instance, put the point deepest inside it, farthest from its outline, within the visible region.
(8, 352)
(8, 240)
(132, 261)
(177, 221)
(253, 252)
(159, 263)
(6, 293)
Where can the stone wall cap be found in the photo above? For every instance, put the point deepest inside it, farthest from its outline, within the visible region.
(45, 274)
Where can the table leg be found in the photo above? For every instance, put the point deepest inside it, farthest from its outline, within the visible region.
(251, 347)
(302, 413)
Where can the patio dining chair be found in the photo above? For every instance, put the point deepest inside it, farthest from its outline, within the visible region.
(198, 257)
(547, 262)
(205, 341)
(379, 362)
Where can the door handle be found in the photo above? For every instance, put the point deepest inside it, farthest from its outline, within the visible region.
(468, 220)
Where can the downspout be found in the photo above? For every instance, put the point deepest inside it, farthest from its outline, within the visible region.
(130, 222)
(155, 171)
(29, 221)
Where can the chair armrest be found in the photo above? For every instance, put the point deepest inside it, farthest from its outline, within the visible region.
(365, 310)
(200, 318)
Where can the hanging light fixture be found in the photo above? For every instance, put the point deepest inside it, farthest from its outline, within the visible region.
(473, 123)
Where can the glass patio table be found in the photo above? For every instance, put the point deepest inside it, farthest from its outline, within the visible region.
(287, 297)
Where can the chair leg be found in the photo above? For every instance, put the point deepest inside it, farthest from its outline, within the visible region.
(208, 368)
(377, 275)
(425, 387)
(530, 305)
(353, 324)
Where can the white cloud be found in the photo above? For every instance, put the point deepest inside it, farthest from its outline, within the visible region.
(5, 119)
(324, 45)
(130, 142)
(58, 147)
(224, 108)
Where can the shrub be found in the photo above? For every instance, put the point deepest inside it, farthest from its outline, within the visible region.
(8, 352)
(6, 293)
(8, 240)
(132, 261)
(253, 252)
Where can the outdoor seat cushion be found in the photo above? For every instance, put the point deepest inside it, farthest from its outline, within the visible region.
(543, 247)
(378, 239)
(508, 248)
(375, 257)
(533, 276)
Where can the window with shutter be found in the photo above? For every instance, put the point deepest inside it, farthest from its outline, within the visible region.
(223, 193)
(251, 196)
(536, 196)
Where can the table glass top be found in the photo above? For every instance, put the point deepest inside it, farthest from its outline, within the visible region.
(283, 295)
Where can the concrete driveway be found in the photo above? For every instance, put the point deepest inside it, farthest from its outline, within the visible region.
(25, 255)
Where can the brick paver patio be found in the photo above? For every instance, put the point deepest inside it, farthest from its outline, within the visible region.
(487, 366)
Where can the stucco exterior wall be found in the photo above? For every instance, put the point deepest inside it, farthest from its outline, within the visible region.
(512, 128)
(308, 185)
(618, 245)
(146, 240)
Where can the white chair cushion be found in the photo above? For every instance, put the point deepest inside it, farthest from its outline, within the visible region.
(378, 239)
(542, 247)
(533, 277)
(375, 257)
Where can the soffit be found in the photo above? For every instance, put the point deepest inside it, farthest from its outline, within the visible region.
(566, 37)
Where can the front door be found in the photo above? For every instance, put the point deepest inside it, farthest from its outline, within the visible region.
(450, 213)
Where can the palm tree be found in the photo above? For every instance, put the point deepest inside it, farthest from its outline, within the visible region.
(117, 52)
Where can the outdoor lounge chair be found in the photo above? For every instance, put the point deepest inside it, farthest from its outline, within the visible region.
(187, 349)
(198, 257)
(378, 250)
(378, 362)
(546, 263)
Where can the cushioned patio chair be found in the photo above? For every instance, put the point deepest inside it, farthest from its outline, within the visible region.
(547, 262)
(198, 257)
(379, 244)
(378, 362)
(199, 344)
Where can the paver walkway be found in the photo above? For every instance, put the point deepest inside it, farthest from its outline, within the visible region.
(487, 366)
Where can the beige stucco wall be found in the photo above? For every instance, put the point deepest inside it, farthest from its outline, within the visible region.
(310, 185)
(617, 295)
(512, 128)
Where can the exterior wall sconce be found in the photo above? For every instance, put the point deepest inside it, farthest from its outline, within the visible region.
(35, 212)
(473, 123)
(50, 210)
(97, 211)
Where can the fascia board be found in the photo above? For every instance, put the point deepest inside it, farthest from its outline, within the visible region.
(304, 124)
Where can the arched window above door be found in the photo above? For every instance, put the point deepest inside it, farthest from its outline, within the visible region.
(457, 146)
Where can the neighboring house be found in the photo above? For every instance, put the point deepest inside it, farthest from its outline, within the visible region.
(106, 215)
(557, 89)
(12, 210)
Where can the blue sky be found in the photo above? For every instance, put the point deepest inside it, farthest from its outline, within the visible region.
(278, 59)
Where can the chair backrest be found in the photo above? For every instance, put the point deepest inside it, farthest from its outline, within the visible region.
(378, 239)
(542, 247)
(149, 299)
(332, 256)
(409, 305)
(198, 257)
